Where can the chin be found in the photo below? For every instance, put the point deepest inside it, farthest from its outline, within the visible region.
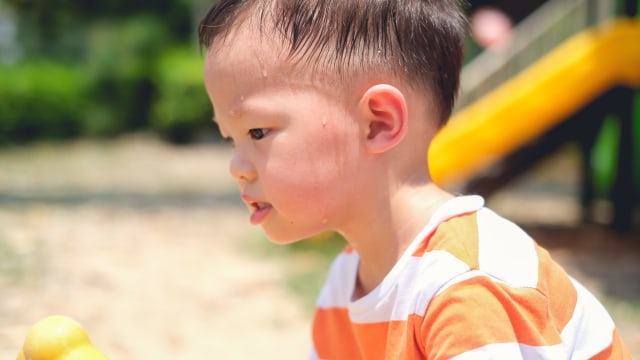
(284, 238)
(283, 241)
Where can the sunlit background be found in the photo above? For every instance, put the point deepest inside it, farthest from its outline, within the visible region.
(116, 207)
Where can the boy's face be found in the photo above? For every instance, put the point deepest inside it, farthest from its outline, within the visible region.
(296, 143)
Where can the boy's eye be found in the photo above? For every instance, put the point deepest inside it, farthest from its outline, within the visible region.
(257, 134)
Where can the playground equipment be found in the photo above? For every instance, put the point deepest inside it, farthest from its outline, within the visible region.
(565, 95)
(58, 338)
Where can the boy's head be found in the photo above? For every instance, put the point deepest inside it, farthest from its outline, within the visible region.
(420, 42)
(317, 97)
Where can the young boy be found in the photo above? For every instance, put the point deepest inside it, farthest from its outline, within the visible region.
(331, 105)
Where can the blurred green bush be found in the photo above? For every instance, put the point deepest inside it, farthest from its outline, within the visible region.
(128, 74)
(119, 64)
(41, 99)
(181, 107)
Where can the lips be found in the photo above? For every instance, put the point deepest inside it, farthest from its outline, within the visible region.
(259, 209)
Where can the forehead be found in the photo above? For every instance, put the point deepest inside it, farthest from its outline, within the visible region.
(239, 64)
(243, 47)
(250, 59)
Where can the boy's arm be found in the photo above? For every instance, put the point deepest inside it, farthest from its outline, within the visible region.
(477, 318)
(480, 318)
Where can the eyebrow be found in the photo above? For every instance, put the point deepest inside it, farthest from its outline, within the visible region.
(240, 113)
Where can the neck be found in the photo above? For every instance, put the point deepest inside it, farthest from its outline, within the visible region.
(391, 225)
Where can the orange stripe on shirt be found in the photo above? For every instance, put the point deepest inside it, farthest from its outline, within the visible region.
(554, 282)
(478, 312)
(381, 340)
(386, 340)
(331, 327)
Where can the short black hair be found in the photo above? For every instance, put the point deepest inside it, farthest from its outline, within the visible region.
(420, 41)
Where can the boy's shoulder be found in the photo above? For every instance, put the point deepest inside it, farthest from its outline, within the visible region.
(489, 243)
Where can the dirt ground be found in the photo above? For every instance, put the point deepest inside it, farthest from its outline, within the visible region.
(145, 244)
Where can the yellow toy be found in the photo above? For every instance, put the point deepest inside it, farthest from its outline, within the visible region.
(58, 338)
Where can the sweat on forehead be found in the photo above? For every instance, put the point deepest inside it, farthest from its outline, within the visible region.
(418, 41)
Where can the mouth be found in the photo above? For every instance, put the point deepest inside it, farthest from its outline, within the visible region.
(259, 212)
(259, 205)
(259, 209)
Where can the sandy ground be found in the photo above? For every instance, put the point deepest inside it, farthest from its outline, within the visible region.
(146, 245)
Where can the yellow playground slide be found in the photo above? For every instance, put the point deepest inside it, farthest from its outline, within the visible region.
(546, 93)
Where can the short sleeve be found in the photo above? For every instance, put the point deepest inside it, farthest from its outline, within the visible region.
(481, 318)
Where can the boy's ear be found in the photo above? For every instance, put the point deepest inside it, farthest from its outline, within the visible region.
(384, 112)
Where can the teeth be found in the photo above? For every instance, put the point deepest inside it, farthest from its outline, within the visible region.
(260, 206)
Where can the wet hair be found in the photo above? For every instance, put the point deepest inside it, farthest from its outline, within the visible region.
(419, 41)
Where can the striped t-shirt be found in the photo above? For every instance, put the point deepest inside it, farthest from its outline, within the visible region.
(471, 286)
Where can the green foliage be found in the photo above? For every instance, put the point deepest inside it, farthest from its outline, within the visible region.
(604, 157)
(52, 28)
(119, 66)
(109, 49)
(40, 99)
(181, 107)
(131, 77)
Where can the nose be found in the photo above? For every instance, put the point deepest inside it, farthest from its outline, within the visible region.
(241, 167)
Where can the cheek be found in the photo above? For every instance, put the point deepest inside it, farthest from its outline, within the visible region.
(317, 165)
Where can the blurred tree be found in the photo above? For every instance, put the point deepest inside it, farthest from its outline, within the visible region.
(114, 45)
(55, 28)
(119, 62)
